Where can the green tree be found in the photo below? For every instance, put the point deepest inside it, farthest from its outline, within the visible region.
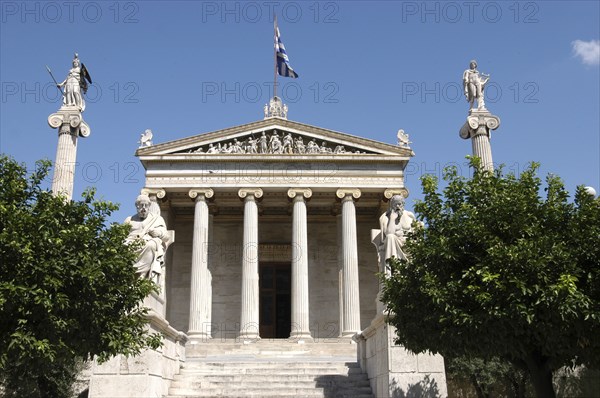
(498, 270)
(68, 289)
(494, 377)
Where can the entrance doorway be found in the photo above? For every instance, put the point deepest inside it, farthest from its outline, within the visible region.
(275, 300)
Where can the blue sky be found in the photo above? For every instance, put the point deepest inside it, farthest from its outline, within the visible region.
(366, 68)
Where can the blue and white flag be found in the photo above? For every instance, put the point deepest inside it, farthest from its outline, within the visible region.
(283, 63)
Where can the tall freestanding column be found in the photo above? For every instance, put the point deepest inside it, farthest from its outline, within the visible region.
(300, 312)
(200, 289)
(70, 124)
(350, 262)
(480, 121)
(249, 321)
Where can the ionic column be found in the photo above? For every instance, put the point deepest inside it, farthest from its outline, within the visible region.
(350, 262)
(478, 128)
(200, 289)
(482, 148)
(300, 312)
(249, 322)
(70, 125)
(64, 166)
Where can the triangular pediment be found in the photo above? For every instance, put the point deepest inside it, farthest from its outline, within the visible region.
(274, 137)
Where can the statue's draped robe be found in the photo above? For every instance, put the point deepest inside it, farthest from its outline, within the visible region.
(154, 247)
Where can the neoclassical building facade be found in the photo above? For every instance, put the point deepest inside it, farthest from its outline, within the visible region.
(272, 222)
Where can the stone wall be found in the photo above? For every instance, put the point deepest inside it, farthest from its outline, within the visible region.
(144, 376)
(395, 372)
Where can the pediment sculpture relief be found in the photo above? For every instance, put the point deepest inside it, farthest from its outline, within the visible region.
(275, 143)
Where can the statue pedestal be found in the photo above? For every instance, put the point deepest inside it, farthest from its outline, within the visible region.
(392, 370)
(156, 302)
(148, 374)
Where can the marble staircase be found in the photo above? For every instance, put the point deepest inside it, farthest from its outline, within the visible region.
(269, 369)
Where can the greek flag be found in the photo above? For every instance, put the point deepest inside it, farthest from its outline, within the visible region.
(283, 63)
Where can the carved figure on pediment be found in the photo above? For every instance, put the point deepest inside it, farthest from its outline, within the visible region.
(312, 147)
(300, 148)
(251, 145)
(325, 148)
(263, 144)
(395, 224)
(199, 150)
(339, 149)
(403, 139)
(152, 230)
(212, 149)
(275, 144)
(288, 143)
(236, 147)
(145, 139)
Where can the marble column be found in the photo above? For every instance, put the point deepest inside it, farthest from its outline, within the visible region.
(249, 321)
(64, 165)
(300, 312)
(478, 128)
(351, 295)
(200, 289)
(70, 124)
(340, 264)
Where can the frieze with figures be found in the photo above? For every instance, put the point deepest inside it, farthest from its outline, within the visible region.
(274, 144)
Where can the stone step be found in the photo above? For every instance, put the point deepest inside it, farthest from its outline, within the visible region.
(280, 384)
(277, 395)
(269, 370)
(324, 347)
(356, 377)
(262, 392)
(245, 364)
(257, 370)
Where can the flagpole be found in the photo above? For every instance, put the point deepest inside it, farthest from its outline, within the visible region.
(275, 54)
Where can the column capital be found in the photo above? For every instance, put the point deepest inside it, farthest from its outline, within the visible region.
(199, 193)
(159, 192)
(343, 193)
(479, 123)
(301, 193)
(69, 120)
(256, 192)
(390, 192)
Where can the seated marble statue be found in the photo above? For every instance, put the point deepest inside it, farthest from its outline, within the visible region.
(152, 230)
(395, 223)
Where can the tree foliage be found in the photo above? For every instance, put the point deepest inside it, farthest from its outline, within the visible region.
(498, 270)
(493, 377)
(68, 289)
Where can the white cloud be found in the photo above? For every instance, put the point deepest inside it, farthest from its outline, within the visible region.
(588, 51)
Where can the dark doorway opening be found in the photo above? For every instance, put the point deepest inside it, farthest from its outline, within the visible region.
(275, 300)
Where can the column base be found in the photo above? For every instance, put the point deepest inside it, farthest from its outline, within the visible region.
(198, 337)
(301, 337)
(349, 334)
(249, 337)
